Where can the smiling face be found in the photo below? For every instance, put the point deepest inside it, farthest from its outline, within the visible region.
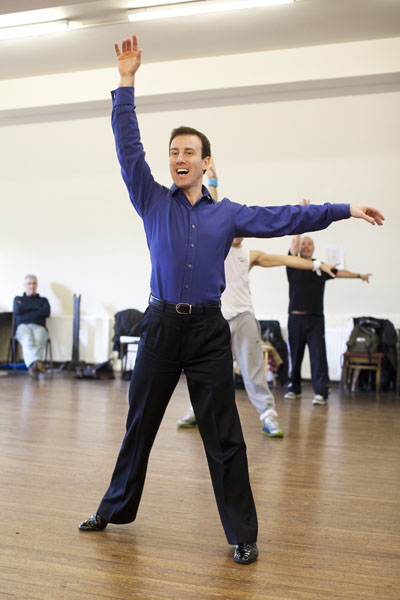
(185, 161)
(306, 247)
(30, 286)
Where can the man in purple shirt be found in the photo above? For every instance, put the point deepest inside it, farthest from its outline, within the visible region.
(189, 236)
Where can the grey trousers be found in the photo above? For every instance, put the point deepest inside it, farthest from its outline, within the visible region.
(33, 339)
(247, 349)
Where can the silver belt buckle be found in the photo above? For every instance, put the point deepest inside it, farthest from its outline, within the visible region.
(183, 304)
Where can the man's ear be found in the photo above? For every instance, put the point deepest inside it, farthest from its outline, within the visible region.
(206, 164)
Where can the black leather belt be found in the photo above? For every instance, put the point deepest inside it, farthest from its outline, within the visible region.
(183, 308)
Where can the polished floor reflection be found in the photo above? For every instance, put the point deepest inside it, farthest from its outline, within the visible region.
(327, 495)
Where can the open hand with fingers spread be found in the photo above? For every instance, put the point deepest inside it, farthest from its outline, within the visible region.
(128, 60)
(368, 213)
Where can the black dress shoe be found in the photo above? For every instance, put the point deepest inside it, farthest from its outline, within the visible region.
(93, 523)
(246, 553)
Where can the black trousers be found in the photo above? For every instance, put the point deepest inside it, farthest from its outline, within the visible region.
(199, 345)
(308, 330)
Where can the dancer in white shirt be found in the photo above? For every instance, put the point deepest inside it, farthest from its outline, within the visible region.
(237, 309)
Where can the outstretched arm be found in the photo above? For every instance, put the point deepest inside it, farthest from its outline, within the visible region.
(295, 245)
(368, 213)
(261, 259)
(212, 180)
(350, 275)
(128, 60)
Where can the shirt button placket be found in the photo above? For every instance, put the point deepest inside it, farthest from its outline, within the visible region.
(187, 287)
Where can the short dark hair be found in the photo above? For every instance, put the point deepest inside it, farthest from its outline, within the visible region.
(184, 130)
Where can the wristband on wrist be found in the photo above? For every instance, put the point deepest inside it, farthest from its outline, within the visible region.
(213, 182)
(317, 266)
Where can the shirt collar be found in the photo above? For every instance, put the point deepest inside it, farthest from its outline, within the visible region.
(206, 194)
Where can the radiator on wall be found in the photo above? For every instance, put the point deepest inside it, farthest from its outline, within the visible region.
(335, 340)
(95, 335)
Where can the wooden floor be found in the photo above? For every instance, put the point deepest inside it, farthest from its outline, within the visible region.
(328, 500)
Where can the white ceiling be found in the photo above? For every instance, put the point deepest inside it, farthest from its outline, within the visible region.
(307, 22)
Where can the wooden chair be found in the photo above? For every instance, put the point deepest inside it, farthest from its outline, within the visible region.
(127, 344)
(127, 335)
(269, 350)
(358, 361)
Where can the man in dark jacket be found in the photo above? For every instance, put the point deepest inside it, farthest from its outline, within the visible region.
(30, 312)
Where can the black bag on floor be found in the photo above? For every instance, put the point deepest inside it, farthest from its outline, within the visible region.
(100, 371)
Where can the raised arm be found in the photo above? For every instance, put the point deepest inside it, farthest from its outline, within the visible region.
(295, 245)
(134, 168)
(212, 180)
(128, 60)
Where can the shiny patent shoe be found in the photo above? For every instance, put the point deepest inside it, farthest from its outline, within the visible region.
(93, 523)
(246, 553)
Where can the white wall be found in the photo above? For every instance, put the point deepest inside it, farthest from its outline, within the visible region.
(66, 215)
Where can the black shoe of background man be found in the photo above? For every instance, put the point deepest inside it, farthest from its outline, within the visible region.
(93, 523)
(246, 553)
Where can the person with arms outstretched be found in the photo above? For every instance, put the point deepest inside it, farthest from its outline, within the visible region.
(306, 323)
(189, 236)
(237, 309)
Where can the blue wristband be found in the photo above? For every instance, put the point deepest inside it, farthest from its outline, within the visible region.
(213, 182)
